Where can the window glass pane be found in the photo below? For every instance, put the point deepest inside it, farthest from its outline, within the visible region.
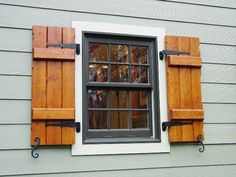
(139, 74)
(97, 99)
(139, 54)
(119, 119)
(139, 119)
(139, 99)
(98, 72)
(119, 53)
(97, 120)
(98, 51)
(119, 73)
(118, 99)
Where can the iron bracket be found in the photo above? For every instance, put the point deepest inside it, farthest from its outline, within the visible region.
(174, 123)
(69, 124)
(70, 46)
(171, 52)
(35, 146)
(199, 141)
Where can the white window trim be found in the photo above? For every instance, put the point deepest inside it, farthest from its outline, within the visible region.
(129, 148)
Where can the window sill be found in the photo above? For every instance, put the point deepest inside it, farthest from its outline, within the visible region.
(120, 140)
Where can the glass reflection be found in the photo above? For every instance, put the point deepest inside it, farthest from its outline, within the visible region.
(118, 99)
(119, 53)
(98, 73)
(97, 99)
(97, 120)
(119, 120)
(138, 99)
(119, 73)
(139, 74)
(139, 119)
(98, 52)
(139, 54)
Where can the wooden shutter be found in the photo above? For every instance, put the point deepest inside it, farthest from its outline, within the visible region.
(52, 85)
(184, 88)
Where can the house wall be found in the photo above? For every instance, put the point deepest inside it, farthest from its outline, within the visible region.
(213, 21)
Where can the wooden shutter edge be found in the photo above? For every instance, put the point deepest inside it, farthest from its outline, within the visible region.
(53, 113)
(51, 53)
(195, 114)
(184, 61)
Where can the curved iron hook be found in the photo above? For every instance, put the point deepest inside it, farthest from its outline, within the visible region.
(199, 141)
(35, 146)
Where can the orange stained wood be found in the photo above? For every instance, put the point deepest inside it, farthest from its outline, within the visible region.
(184, 61)
(53, 113)
(196, 114)
(52, 85)
(56, 54)
(184, 88)
(173, 90)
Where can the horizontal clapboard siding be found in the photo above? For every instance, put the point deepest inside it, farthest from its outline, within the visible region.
(215, 3)
(26, 17)
(219, 170)
(160, 10)
(59, 160)
(213, 21)
(22, 134)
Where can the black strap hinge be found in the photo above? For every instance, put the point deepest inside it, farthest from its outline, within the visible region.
(70, 46)
(171, 52)
(70, 124)
(174, 123)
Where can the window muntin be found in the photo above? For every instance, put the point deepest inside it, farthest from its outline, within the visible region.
(118, 87)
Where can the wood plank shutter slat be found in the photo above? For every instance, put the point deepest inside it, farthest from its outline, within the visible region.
(184, 88)
(52, 85)
(56, 54)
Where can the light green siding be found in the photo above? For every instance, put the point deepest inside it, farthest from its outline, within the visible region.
(213, 21)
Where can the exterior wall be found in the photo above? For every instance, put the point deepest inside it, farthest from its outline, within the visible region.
(213, 21)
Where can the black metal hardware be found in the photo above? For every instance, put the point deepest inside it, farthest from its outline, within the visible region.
(199, 141)
(174, 123)
(35, 146)
(170, 52)
(71, 46)
(71, 124)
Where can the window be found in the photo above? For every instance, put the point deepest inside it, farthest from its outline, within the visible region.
(120, 88)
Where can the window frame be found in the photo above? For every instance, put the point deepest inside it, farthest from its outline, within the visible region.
(151, 87)
(81, 148)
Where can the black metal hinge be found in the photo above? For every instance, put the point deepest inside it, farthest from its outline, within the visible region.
(70, 46)
(171, 52)
(174, 123)
(70, 124)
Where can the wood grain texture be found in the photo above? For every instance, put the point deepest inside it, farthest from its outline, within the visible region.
(53, 54)
(39, 92)
(184, 61)
(68, 86)
(54, 85)
(53, 113)
(188, 87)
(173, 89)
(58, 85)
(196, 114)
(185, 89)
